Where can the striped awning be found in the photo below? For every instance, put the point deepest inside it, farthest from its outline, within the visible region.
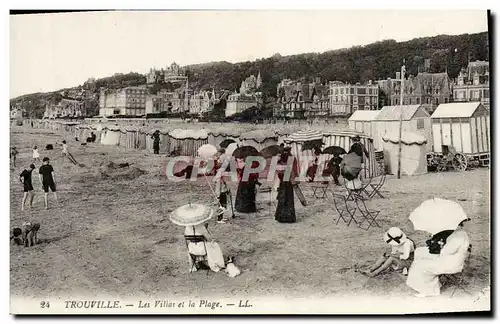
(304, 136)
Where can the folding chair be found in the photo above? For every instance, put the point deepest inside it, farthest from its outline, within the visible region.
(356, 191)
(457, 280)
(374, 188)
(346, 212)
(199, 262)
(320, 189)
(369, 215)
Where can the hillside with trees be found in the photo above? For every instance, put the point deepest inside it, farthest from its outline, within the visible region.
(376, 61)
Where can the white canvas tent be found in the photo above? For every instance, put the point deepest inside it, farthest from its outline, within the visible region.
(364, 121)
(415, 120)
(413, 153)
(464, 126)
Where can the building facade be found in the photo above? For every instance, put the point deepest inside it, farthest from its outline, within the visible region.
(130, 101)
(426, 89)
(473, 84)
(345, 99)
(301, 100)
(249, 96)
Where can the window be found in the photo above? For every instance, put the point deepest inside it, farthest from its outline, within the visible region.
(420, 123)
(361, 90)
(418, 101)
(336, 91)
(437, 101)
(445, 100)
(428, 100)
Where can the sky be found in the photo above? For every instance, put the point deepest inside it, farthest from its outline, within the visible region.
(54, 51)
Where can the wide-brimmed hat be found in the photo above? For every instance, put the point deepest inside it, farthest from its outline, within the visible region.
(394, 236)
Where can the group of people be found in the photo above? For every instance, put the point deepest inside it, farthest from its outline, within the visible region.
(444, 253)
(46, 176)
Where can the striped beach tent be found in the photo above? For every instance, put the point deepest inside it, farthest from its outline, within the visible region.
(297, 140)
(344, 139)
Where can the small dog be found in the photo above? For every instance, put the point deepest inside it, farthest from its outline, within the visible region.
(231, 269)
(30, 234)
(16, 232)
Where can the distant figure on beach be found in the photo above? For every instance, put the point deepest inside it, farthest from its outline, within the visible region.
(93, 137)
(64, 148)
(36, 155)
(47, 180)
(13, 155)
(26, 180)
(358, 147)
(156, 142)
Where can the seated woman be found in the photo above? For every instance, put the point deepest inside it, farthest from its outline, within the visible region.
(214, 255)
(401, 255)
(423, 275)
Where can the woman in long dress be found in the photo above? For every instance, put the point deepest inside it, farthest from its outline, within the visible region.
(214, 254)
(246, 194)
(285, 210)
(423, 275)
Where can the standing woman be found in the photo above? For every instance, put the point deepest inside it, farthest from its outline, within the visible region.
(156, 142)
(285, 210)
(246, 194)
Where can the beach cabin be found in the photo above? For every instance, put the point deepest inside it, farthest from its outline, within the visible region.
(258, 138)
(464, 126)
(415, 120)
(413, 153)
(188, 140)
(363, 121)
(218, 135)
(111, 136)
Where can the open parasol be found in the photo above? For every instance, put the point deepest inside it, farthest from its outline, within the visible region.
(225, 143)
(243, 152)
(191, 214)
(437, 215)
(207, 151)
(334, 150)
(270, 151)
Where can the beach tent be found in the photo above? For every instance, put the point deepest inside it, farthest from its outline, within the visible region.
(415, 120)
(258, 138)
(218, 135)
(141, 138)
(364, 121)
(188, 140)
(465, 126)
(111, 136)
(344, 138)
(413, 153)
(123, 137)
(296, 141)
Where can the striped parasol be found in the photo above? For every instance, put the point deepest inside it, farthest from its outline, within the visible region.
(304, 136)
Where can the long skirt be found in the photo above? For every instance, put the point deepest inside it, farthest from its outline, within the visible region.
(214, 254)
(156, 147)
(285, 211)
(245, 198)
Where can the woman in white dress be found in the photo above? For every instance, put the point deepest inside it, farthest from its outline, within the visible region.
(423, 275)
(214, 254)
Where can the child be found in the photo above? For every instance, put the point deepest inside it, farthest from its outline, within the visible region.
(401, 254)
(64, 148)
(36, 155)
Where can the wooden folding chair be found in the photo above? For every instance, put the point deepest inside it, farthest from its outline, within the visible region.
(369, 215)
(346, 212)
(458, 280)
(374, 187)
(199, 262)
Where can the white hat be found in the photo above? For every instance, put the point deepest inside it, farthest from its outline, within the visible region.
(394, 236)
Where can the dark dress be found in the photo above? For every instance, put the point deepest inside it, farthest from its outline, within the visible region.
(246, 194)
(156, 142)
(285, 210)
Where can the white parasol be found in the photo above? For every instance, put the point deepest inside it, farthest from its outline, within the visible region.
(191, 214)
(207, 151)
(436, 215)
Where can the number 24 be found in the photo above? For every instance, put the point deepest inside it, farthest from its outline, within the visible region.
(44, 304)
